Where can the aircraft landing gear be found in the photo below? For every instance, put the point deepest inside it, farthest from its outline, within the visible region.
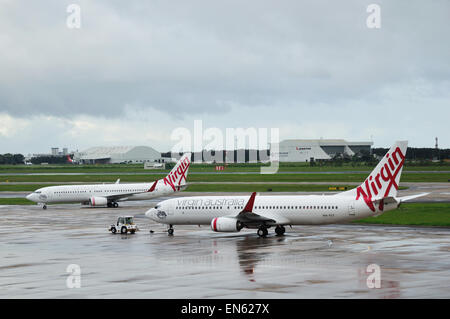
(262, 231)
(113, 204)
(280, 230)
(170, 230)
(44, 207)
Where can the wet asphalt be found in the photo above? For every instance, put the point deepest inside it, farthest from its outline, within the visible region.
(334, 261)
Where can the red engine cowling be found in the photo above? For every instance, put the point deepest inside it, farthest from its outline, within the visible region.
(225, 224)
(98, 201)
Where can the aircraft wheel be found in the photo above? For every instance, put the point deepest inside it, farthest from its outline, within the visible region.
(115, 205)
(44, 207)
(280, 230)
(109, 204)
(170, 231)
(123, 230)
(262, 232)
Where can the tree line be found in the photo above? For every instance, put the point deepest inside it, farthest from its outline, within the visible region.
(419, 154)
(50, 159)
(11, 159)
(14, 159)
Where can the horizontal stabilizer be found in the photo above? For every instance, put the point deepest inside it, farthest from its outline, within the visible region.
(406, 198)
(385, 200)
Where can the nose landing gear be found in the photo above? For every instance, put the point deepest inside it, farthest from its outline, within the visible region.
(170, 230)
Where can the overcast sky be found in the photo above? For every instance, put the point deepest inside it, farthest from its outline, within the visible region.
(136, 70)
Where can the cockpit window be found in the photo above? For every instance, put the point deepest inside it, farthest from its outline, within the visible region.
(37, 192)
(157, 206)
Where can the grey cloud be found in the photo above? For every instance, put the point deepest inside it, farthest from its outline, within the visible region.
(203, 56)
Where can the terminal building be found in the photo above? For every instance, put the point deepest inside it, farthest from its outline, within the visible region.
(322, 149)
(117, 155)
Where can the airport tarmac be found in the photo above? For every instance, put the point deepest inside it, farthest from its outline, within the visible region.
(37, 246)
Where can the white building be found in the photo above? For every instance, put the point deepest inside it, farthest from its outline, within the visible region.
(322, 149)
(117, 154)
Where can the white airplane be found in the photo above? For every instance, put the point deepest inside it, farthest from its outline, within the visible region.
(232, 213)
(110, 194)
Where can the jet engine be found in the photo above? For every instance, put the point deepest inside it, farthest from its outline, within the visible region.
(98, 201)
(226, 224)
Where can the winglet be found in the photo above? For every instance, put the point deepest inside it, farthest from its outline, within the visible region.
(249, 207)
(153, 187)
(118, 181)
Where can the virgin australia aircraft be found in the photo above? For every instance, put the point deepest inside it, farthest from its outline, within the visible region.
(110, 194)
(375, 196)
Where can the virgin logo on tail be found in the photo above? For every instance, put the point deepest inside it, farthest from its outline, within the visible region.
(176, 176)
(373, 186)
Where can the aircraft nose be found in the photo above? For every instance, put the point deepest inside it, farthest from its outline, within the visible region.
(30, 197)
(150, 213)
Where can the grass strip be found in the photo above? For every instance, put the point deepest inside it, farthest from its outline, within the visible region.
(414, 214)
(16, 201)
(218, 177)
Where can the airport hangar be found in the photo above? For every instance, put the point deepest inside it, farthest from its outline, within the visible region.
(117, 155)
(296, 150)
(321, 149)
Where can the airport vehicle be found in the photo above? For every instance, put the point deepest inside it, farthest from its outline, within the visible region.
(124, 224)
(375, 196)
(110, 194)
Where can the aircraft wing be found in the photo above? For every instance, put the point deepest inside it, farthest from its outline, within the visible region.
(123, 196)
(270, 218)
(247, 215)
